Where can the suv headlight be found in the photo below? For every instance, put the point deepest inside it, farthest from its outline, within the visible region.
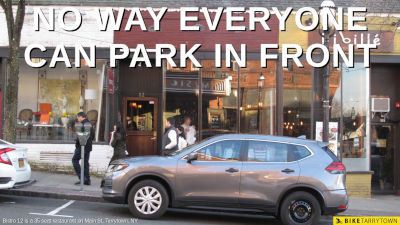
(117, 167)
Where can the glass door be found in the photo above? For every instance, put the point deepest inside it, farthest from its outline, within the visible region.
(140, 121)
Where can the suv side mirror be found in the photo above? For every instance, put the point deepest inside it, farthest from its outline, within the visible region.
(192, 156)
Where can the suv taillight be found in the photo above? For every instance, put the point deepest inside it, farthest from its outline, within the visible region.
(336, 168)
(4, 157)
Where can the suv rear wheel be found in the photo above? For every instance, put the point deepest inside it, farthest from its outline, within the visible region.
(300, 208)
(148, 199)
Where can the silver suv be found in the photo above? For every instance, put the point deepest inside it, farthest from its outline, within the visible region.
(294, 179)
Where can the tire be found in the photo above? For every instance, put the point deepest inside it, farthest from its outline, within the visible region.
(148, 199)
(300, 208)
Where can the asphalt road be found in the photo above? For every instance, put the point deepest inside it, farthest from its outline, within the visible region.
(31, 210)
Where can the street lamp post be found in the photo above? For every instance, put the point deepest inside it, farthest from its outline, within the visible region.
(326, 34)
(260, 84)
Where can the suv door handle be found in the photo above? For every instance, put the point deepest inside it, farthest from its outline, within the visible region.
(232, 170)
(287, 170)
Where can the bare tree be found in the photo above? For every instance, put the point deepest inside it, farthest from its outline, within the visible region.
(14, 26)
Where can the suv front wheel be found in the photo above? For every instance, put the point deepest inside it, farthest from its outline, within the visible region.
(148, 199)
(300, 208)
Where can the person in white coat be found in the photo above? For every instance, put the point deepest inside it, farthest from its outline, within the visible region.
(190, 131)
(182, 143)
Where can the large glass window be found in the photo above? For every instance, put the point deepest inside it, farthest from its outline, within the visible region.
(355, 106)
(219, 99)
(257, 94)
(50, 98)
(297, 99)
(182, 92)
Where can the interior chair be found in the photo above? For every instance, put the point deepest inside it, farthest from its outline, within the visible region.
(25, 115)
(45, 109)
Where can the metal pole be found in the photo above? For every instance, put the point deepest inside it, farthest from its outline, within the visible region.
(238, 115)
(108, 102)
(258, 109)
(325, 99)
(82, 165)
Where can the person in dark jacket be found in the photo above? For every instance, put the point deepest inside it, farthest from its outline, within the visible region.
(77, 154)
(170, 138)
(118, 142)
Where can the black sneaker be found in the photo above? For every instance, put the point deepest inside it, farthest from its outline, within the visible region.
(78, 182)
(87, 182)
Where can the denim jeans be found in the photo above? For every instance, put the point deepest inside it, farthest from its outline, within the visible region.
(77, 166)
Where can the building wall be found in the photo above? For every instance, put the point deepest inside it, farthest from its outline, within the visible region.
(372, 6)
(87, 34)
(170, 33)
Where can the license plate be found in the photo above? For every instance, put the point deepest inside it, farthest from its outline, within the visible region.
(21, 163)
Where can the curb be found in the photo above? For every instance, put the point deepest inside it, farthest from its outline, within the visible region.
(44, 192)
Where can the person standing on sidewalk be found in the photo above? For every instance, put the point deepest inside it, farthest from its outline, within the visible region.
(118, 142)
(170, 138)
(190, 130)
(77, 154)
(182, 143)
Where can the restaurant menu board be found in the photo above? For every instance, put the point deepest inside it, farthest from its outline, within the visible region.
(333, 135)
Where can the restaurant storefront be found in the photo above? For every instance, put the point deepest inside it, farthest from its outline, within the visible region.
(271, 100)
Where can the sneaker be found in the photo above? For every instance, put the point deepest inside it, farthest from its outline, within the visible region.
(78, 182)
(87, 182)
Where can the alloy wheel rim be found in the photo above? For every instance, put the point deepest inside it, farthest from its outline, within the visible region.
(300, 211)
(147, 200)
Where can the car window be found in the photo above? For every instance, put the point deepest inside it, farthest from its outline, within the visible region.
(298, 152)
(228, 150)
(262, 151)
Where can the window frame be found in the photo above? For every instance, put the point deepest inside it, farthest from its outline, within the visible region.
(246, 150)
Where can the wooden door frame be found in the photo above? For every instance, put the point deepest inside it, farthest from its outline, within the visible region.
(155, 116)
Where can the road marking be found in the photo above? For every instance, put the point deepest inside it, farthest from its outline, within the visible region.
(54, 212)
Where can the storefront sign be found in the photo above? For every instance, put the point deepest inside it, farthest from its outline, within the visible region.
(190, 85)
(383, 39)
(111, 81)
(333, 135)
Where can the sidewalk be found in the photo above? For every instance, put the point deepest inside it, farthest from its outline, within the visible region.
(377, 205)
(54, 185)
(51, 185)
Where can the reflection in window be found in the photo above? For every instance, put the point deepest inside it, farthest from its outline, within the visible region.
(354, 117)
(220, 151)
(262, 151)
(297, 96)
(219, 88)
(257, 89)
(139, 115)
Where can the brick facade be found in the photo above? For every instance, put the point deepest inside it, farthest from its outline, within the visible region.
(386, 6)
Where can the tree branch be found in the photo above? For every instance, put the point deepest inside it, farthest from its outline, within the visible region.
(19, 21)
